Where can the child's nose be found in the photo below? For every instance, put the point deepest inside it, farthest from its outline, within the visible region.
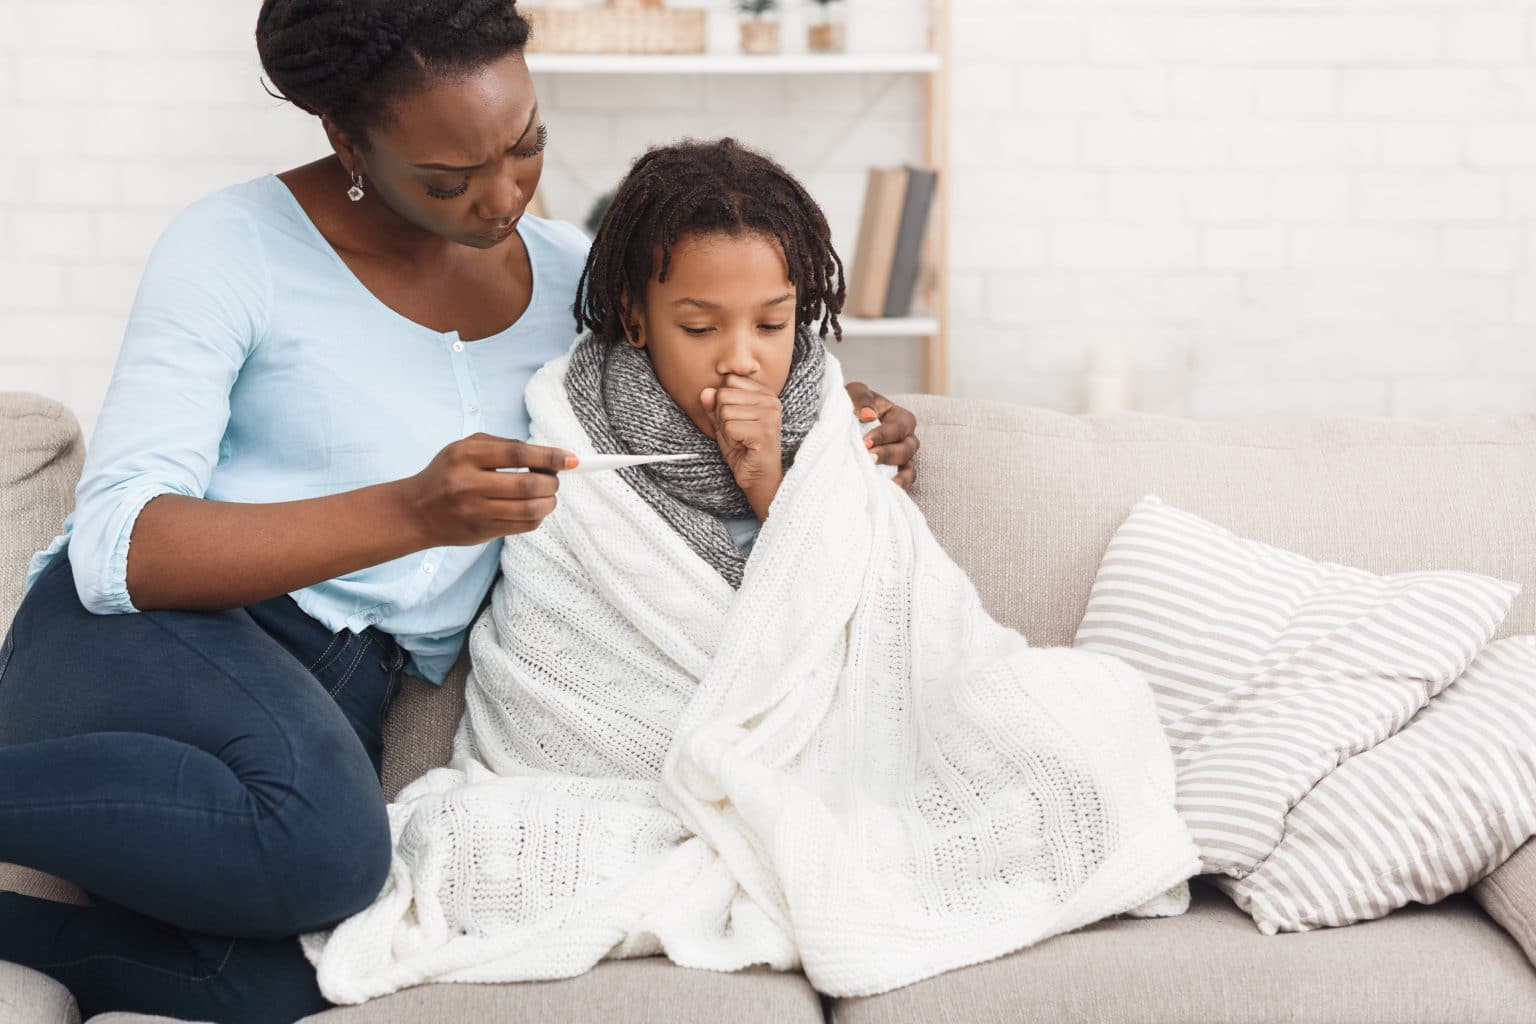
(738, 356)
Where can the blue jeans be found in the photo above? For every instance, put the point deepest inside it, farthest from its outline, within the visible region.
(210, 778)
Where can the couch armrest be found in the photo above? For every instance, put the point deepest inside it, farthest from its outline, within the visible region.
(1509, 897)
(33, 996)
(41, 452)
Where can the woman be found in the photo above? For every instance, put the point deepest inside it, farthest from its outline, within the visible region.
(301, 347)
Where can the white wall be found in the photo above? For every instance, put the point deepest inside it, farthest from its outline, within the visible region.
(1283, 208)
(1301, 207)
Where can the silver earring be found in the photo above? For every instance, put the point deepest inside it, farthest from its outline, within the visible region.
(356, 191)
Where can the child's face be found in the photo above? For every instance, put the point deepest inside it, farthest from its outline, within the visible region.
(727, 309)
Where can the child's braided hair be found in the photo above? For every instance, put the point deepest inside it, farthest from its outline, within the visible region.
(694, 188)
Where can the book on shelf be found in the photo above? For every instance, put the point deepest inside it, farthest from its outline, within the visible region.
(889, 255)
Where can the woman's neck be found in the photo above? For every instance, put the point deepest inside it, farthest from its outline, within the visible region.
(367, 228)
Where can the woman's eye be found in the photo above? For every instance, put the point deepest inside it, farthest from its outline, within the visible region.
(448, 193)
(539, 143)
(773, 327)
(695, 331)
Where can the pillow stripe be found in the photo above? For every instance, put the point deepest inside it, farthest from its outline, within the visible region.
(1270, 669)
(1425, 814)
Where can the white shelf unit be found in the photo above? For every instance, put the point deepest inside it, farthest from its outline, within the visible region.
(933, 63)
(905, 327)
(732, 64)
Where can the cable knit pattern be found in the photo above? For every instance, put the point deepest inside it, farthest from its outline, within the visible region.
(845, 765)
(622, 407)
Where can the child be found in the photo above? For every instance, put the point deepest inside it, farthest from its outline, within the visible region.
(823, 756)
(710, 270)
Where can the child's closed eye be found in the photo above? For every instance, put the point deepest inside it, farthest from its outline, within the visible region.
(700, 331)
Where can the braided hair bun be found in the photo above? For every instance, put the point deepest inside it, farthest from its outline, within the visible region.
(346, 59)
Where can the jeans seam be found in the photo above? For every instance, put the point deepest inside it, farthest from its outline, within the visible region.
(389, 695)
(352, 668)
(54, 804)
(7, 646)
(228, 952)
(325, 654)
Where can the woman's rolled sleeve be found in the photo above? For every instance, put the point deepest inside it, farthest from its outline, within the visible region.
(200, 311)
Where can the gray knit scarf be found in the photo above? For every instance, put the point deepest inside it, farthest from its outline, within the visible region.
(621, 404)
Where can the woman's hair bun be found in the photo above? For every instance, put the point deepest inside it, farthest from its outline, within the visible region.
(346, 59)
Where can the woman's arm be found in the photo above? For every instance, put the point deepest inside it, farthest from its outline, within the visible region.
(143, 536)
(199, 555)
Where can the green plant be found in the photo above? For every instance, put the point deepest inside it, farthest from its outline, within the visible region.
(757, 8)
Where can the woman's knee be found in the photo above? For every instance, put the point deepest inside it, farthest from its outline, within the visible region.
(334, 865)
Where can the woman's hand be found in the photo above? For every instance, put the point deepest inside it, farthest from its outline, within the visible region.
(894, 442)
(749, 428)
(460, 498)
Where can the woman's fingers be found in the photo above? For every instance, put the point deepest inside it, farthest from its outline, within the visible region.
(490, 452)
(904, 477)
(533, 510)
(864, 400)
(894, 441)
(518, 486)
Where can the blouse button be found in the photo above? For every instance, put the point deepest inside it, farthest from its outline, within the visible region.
(458, 346)
(428, 568)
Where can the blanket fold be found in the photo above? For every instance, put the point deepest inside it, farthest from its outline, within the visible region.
(845, 766)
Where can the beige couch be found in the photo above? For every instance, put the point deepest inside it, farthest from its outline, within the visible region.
(1027, 500)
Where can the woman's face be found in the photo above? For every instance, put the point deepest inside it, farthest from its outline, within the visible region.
(726, 308)
(461, 157)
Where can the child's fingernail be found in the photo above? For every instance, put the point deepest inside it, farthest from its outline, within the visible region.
(571, 462)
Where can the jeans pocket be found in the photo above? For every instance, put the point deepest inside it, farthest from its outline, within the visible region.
(333, 650)
(354, 654)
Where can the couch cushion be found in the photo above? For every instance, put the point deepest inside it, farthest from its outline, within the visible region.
(1441, 963)
(34, 998)
(41, 452)
(1027, 499)
(614, 992)
(418, 733)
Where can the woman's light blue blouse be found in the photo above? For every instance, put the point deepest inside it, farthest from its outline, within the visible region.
(257, 368)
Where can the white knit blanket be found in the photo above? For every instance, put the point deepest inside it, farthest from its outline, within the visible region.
(845, 766)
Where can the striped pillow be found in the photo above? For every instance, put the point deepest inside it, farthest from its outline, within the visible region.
(1270, 668)
(1422, 815)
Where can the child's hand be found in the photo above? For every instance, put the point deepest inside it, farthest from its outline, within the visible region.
(748, 422)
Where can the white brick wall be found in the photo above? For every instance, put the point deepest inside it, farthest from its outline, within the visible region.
(1279, 206)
